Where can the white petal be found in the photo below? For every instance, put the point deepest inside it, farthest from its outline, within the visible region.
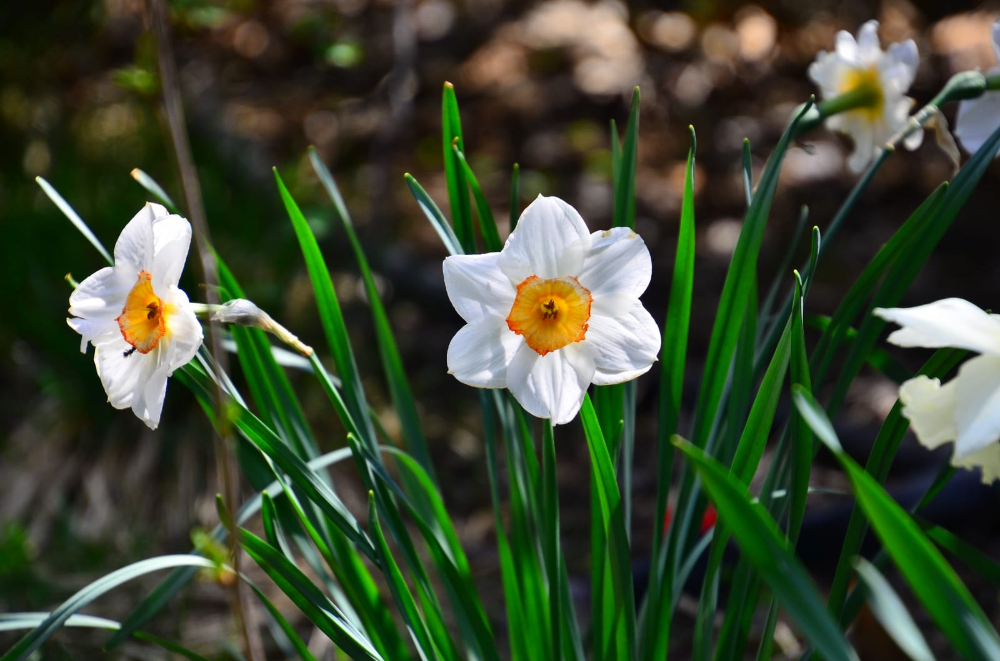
(826, 71)
(124, 377)
(171, 241)
(624, 347)
(553, 385)
(149, 407)
(977, 408)
(950, 322)
(930, 408)
(618, 263)
(864, 146)
(899, 66)
(977, 119)
(869, 49)
(103, 294)
(477, 287)
(184, 332)
(549, 242)
(845, 46)
(481, 351)
(986, 459)
(135, 243)
(92, 329)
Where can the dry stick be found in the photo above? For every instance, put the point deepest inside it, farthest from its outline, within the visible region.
(225, 460)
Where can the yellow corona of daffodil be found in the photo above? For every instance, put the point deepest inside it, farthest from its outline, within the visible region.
(140, 322)
(554, 311)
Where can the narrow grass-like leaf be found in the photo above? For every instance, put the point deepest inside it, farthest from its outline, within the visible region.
(487, 225)
(624, 178)
(933, 581)
(891, 613)
(801, 448)
(763, 544)
(550, 528)
(290, 633)
(156, 189)
(392, 362)
(308, 598)
(400, 591)
(622, 646)
(747, 173)
(34, 639)
(74, 218)
(879, 460)
(433, 213)
(458, 192)
(981, 563)
(17, 621)
(330, 315)
(733, 301)
(655, 636)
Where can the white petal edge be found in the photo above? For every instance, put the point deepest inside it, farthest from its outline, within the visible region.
(551, 386)
(869, 48)
(930, 408)
(479, 353)
(171, 242)
(986, 459)
(995, 39)
(617, 262)
(624, 346)
(135, 243)
(477, 287)
(549, 241)
(977, 407)
(950, 322)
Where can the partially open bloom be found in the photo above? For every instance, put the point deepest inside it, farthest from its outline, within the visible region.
(966, 409)
(978, 118)
(875, 82)
(140, 322)
(554, 311)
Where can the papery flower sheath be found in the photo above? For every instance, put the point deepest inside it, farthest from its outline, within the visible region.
(879, 78)
(977, 118)
(966, 409)
(554, 311)
(140, 322)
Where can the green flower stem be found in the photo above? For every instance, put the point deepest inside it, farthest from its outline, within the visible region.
(993, 82)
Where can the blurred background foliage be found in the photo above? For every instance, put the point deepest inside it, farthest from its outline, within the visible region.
(84, 488)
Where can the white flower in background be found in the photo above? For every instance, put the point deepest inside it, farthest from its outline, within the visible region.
(140, 323)
(861, 67)
(978, 118)
(554, 311)
(966, 409)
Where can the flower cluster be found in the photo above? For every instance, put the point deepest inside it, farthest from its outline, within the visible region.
(140, 322)
(554, 311)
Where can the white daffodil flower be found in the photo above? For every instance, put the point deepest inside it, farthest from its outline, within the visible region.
(554, 311)
(140, 322)
(877, 80)
(966, 409)
(978, 118)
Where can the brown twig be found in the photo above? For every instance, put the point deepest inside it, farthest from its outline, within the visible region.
(225, 457)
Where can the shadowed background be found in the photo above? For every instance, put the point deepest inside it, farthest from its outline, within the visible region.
(85, 488)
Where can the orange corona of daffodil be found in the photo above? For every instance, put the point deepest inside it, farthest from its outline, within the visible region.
(554, 311)
(140, 322)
